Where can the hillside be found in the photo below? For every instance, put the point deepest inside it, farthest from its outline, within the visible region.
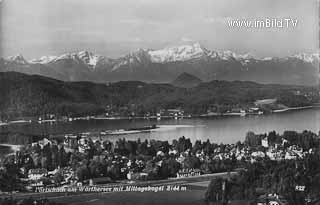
(32, 95)
(186, 80)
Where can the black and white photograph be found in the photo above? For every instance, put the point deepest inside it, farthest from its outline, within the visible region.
(159, 102)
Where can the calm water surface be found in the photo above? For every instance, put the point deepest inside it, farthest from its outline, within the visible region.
(217, 129)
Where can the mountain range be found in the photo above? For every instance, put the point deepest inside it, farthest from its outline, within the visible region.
(167, 64)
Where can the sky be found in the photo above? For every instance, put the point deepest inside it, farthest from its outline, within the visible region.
(113, 28)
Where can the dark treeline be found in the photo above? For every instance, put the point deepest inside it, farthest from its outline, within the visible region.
(24, 95)
(269, 176)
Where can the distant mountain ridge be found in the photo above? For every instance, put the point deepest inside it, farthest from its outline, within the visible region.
(164, 65)
(34, 95)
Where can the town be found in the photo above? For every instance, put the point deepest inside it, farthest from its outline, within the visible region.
(78, 160)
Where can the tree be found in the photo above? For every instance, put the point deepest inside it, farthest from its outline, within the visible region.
(114, 171)
(62, 157)
(196, 147)
(58, 178)
(173, 167)
(191, 162)
(8, 182)
(183, 144)
(215, 191)
(107, 145)
(82, 172)
(253, 140)
(152, 170)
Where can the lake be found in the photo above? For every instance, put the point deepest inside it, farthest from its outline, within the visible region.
(217, 129)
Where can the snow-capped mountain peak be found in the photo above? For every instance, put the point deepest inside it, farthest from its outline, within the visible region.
(138, 54)
(245, 56)
(18, 59)
(44, 60)
(177, 53)
(229, 55)
(136, 57)
(310, 58)
(267, 58)
(89, 58)
(147, 56)
(85, 57)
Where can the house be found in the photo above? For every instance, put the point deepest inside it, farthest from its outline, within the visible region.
(173, 151)
(36, 174)
(290, 156)
(53, 172)
(83, 145)
(160, 153)
(71, 141)
(258, 154)
(100, 180)
(265, 142)
(271, 199)
(296, 150)
(271, 155)
(180, 159)
(284, 141)
(188, 173)
(174, 112)
(137, 176)
(42, 143)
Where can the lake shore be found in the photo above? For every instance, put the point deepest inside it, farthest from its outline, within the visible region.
(213, 114)
(296, 108)
(13, 147)
(226, 129)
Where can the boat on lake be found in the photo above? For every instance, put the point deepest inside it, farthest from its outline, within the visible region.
(130, 130)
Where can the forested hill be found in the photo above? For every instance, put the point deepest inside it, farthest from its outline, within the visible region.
(33, 95)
